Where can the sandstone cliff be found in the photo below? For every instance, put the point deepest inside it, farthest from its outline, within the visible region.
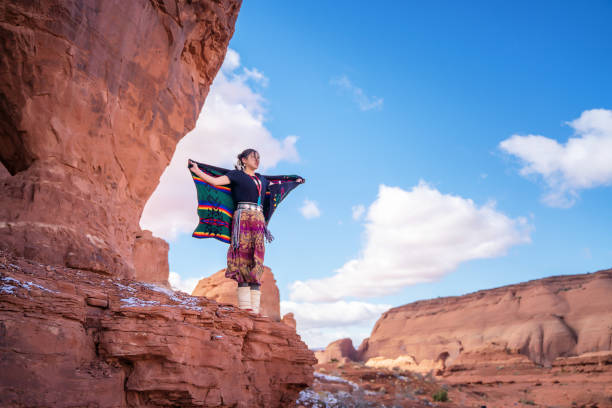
(218, 287)
(76, 338)
(94, 96)
(533, 322)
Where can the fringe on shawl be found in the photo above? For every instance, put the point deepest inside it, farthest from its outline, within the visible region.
(269, 236)
(235, 243)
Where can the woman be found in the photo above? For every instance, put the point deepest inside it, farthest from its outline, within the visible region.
(252, 199)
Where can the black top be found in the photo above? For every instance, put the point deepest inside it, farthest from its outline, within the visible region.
(244, 187)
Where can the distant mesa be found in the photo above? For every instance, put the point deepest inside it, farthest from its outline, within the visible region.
(341, 351)
(543, 343)
(536, 324)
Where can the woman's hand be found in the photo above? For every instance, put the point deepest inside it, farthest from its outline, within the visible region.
(300, 180)
(215, 181)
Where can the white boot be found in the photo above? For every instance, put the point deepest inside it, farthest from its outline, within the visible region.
(255, 297)
(244, 297)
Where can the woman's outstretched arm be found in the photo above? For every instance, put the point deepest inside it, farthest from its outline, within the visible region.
(215, 181)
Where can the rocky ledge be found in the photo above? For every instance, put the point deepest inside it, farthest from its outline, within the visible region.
(71, 337)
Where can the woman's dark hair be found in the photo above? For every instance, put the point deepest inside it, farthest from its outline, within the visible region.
(245, 153)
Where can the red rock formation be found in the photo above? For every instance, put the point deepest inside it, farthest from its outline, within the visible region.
(361, 350)
(289, 320)
(338, 351)
(4, 172)
(75, 338)
(542, 320)
(151, 259)
(94, 96)
(508, 379)
(218, 287)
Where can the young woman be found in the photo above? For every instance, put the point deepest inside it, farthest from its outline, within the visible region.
(251, 197)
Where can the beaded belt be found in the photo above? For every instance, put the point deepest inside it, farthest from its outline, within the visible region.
(242, 205)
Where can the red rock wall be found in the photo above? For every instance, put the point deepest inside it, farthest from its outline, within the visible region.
(94, 96)
(75, 338)
(542, 319)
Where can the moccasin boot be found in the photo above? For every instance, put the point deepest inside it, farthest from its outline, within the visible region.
(255, 297)
(244, 298)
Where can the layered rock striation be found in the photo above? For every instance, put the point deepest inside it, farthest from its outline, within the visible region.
(529, 323)
(76, 338)
(94, 96)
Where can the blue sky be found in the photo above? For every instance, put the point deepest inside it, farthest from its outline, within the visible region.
(463, 112)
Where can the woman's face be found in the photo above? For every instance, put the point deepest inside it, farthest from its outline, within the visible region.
(252, 160)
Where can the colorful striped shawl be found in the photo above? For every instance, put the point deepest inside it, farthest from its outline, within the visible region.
(216, 205)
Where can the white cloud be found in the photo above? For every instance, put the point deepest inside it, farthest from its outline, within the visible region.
(256, 75)
(584, 161)
(416, 236)
(185, 285)
(320, 338)
(232, 120)
(231, 61)
(358, 211)
(333, 314)
(321, 323)
(364, 101)
(310, 209)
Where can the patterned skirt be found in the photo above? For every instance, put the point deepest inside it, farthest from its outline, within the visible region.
(245, 263)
